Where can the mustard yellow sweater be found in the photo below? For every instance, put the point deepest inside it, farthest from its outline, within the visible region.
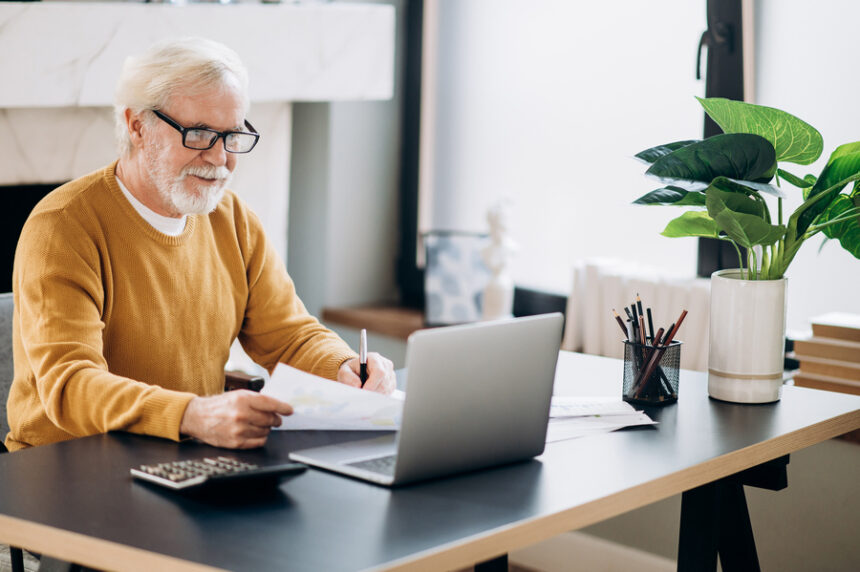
(118, 326)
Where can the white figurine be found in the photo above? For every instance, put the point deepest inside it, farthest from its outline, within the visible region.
(499, 293)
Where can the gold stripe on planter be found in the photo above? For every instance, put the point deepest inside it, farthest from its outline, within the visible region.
(746, 375)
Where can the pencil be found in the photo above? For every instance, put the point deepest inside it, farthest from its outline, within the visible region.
(655, 357)
(677, 326)
(641, 381)
(620, 323)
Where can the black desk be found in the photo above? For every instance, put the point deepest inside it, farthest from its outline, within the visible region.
(75, 500)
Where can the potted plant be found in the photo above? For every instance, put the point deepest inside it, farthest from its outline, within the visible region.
(727, 182)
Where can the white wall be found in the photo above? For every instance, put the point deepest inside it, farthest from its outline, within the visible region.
(804, 66)
(547, 101)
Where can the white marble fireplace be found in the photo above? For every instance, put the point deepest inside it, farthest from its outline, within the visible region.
(60, 62)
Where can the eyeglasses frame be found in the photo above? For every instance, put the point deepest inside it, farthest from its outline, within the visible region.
(220, 134)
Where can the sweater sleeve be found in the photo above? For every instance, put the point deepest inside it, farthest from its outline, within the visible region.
(277, 327)
(60, 297)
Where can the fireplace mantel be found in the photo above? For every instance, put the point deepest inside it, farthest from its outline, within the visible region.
(70, 53)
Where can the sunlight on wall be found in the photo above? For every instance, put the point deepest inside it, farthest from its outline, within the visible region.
(547, 102)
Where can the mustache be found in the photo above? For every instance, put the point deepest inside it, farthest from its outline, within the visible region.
(207, 172)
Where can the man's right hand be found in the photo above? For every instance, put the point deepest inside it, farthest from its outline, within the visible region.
(236, 419)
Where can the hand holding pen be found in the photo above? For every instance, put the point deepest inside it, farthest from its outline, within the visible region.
(369, 371)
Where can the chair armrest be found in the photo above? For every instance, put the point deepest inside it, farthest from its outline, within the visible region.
(238, 380)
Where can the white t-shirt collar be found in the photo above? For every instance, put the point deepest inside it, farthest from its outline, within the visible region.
(163, 224)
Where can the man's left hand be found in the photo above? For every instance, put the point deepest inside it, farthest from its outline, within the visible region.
(380, 374)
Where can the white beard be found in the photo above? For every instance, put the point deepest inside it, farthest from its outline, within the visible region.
(202, 198)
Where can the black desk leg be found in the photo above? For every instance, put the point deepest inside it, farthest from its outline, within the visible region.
(737, 544)
(498, 564)
(715, 519)
(697, 544)
(16, 557)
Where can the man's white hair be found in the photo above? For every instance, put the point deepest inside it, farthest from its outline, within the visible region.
(188, 64)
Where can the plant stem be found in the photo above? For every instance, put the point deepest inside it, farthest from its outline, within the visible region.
(788, 255)
(765, 262)
(751, 269)
(754, 266)
(847, 215)
(779, 203)
(740, 256)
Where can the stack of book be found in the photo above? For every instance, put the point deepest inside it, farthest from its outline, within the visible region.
(830, 359)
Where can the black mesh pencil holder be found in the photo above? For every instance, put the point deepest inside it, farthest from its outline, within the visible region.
(651, 374)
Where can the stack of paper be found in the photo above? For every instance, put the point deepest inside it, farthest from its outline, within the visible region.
(572, 417)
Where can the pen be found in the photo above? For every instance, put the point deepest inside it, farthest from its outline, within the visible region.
(651, 326)
(362, 357)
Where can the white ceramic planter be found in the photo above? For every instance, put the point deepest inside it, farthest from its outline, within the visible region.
(747, 338)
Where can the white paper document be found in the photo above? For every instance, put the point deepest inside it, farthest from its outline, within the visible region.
(561, 428)
(574, 406)
(319, 403)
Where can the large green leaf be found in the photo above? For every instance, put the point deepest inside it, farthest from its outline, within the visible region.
(765, 188)
(736, 155)
(794, 179)
(736, 196)
(675, 196)
(654, 153)
(692, 223)
(744, 225)
(811, 179)
(843, 150)
(795, 140)
(840, 171)
(847, 232)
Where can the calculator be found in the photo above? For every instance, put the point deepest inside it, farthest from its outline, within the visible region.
(213, 471)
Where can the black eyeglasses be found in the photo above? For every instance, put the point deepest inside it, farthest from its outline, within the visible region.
(201, 138)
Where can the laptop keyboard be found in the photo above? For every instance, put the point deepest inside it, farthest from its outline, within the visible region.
(381, 465)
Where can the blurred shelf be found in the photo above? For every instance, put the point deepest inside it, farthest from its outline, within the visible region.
(392, 321)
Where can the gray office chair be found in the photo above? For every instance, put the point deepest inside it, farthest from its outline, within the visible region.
(7, 372)
(6, 368)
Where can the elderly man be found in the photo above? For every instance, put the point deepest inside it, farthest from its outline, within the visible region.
(132, 282)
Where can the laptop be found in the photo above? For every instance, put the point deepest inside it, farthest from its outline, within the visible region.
(477, 396)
